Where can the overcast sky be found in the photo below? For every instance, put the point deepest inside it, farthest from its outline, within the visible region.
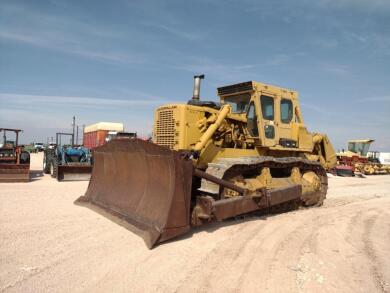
(118, 60)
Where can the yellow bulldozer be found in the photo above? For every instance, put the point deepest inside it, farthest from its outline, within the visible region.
(212, 161)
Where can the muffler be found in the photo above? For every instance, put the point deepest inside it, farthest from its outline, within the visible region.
(196, 91)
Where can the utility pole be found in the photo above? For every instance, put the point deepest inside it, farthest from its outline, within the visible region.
(73, 125)
(83, 133)
(77, 135)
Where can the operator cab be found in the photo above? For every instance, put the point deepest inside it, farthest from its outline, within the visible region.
(272, 113)
(360, 146)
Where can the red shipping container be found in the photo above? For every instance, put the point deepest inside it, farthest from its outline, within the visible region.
(95, 138)
(95, 135)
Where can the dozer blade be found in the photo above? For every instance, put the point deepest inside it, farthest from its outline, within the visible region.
(145, 186)
(14, 172)
(74, 173)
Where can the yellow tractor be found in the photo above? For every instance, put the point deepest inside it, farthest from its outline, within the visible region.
(211, 161)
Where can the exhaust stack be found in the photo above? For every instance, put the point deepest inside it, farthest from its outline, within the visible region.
(196, 92)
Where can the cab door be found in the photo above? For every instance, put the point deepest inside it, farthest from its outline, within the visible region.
(268, 129)
(285, 119)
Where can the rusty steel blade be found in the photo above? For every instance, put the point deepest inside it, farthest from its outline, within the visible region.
(74, 173)
(14, 172)
(145, 186)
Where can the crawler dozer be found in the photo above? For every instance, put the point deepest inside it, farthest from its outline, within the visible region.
(14, 160)
(212, 161)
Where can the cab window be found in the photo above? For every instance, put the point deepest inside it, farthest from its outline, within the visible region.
(286, 111)
(239, 103)
(267, 107)
(252, 121)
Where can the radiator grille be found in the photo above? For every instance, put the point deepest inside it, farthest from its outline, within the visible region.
(165, 128)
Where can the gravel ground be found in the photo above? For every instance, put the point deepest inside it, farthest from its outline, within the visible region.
(49, 244)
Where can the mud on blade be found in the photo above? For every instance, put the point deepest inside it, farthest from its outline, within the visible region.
(145, 186)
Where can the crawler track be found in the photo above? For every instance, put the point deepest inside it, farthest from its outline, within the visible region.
(231, 167)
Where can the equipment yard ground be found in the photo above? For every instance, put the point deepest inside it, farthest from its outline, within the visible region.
(49, 244)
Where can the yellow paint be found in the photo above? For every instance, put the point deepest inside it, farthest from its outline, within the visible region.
(220, 133)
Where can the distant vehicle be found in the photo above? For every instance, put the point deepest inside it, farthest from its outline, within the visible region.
(120, 135)
(379, 157)
(358, 159)
(39, 147)
(67, 162)
(14, 159)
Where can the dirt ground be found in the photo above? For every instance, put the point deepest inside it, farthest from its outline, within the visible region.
(49, 244)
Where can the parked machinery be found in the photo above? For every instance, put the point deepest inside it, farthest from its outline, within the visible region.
(212, 161)
(67, 162)
(14, 161)
(357, 160)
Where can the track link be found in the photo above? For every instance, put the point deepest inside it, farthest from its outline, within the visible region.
(227, 168)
